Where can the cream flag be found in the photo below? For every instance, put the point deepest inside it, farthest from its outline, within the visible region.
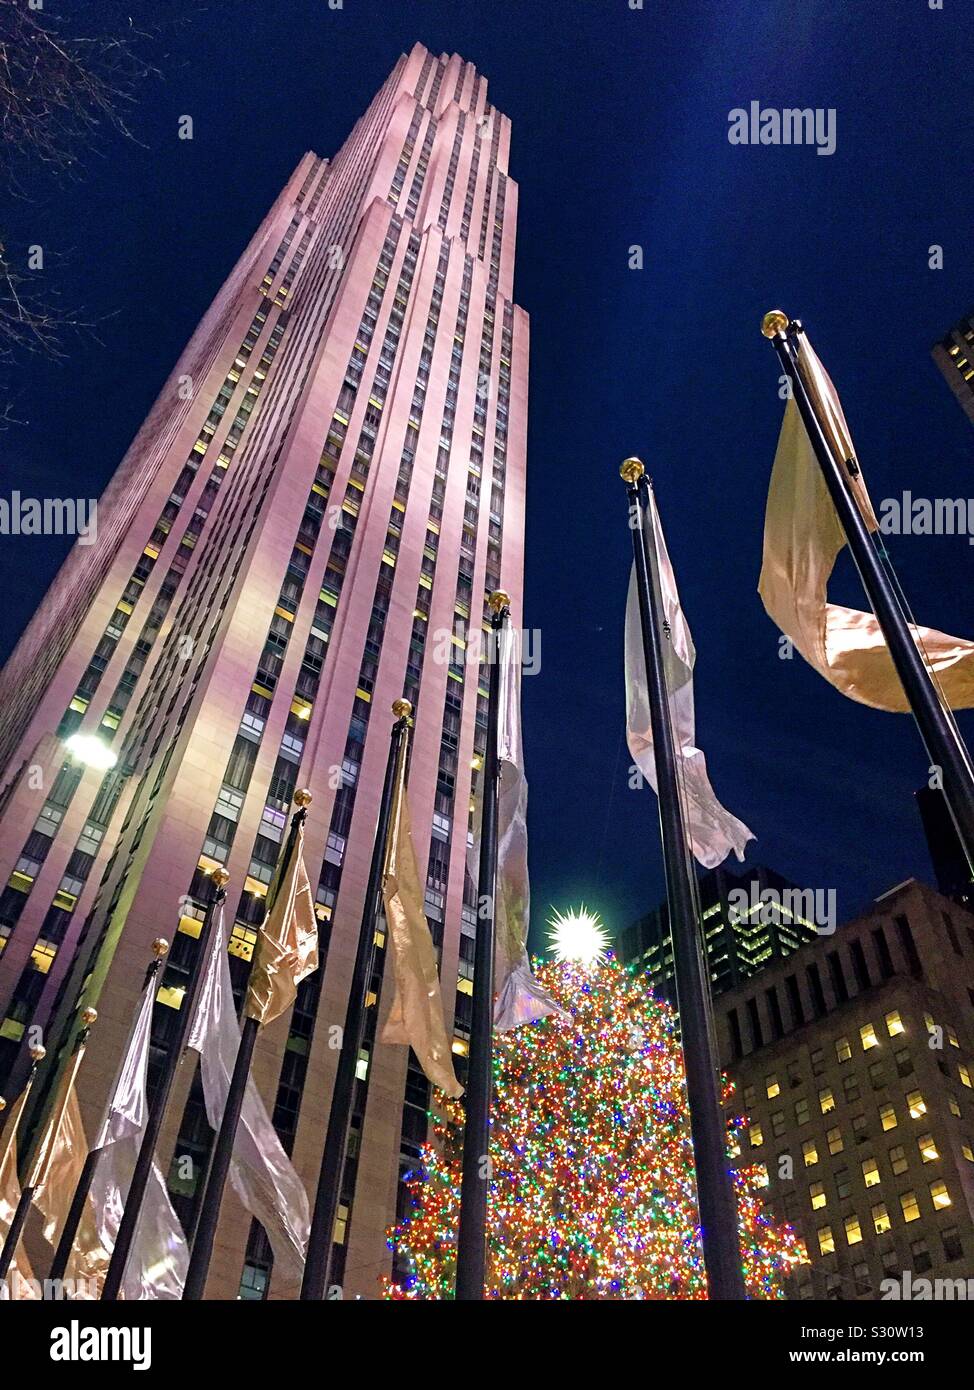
(261, 1172)
(802, 539)
(287, 944)
(713, 831)
(518, 998)
(416, 1016)
(19, 1283)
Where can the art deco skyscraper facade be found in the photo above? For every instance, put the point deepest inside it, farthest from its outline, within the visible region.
(305, 528)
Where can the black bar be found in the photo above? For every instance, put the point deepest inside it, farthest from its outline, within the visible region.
(475, 1178)
(208, 1212)
(318, 1261)
(945, 747)
(16, 1230)
(715, 1192)
(158, 1106)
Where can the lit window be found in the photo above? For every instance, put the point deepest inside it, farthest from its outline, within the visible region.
(916, 1104)
(894, 1024)
(887, 1117)
(967, 1150)
(761, 1175)
(817, 1194)
(952, 1036)
(757, 1138)
(826, 1100)
(964, 1074)
(868, 1035)
(810, 1152)
(853, 1231)
(826, 1242)
(881, 1219)
(939, 1195)
(910, 1206)
(928, 1148)
(843, 1050)
(835, 1141)
(773, 1088)
(870, 1172)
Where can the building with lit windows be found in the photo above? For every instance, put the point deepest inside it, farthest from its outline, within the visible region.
(305, 528)
(954, 355)
(854, 1065)
(750, 920)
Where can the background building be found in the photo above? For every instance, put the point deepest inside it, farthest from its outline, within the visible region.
(305, 528)
(954, 355)
(854, 1064)
(741, 939)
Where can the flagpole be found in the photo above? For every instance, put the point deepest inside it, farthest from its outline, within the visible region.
(475, 1176)
(938, 730)
(20, 1214)
(45, 1146)
(715, 1192)
(66, 1243)
(160, 1100)
(321, 1237)
(201, 1251)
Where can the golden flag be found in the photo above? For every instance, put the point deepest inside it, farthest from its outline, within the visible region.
(287, 943)
(20, 1277)
(802, 540)
(416, 1017)
(63, 1152)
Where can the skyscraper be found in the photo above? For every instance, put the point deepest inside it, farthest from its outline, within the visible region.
(954, 355)
(306, 527)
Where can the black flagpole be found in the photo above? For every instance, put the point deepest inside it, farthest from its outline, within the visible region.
(63, 1252)
(19, 1219)
(160, 1100)
(475, 1178)
(321, 1237)
(715, 1192)
(216, 1178)
(945, 747)
(23, 1207)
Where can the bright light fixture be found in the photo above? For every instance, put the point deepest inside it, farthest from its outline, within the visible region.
(90, 750)
(577, 935)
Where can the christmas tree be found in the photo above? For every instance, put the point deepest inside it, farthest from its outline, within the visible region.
(591, 1184)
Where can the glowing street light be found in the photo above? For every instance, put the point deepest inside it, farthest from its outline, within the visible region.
(91, 750)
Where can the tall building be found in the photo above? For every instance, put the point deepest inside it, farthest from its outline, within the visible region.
(954, 355)
(305, 528)
(749, 920)
(854, 1064)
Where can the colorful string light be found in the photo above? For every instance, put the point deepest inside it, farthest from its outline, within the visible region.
(591, 1193)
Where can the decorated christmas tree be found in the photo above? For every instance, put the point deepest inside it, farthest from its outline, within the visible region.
(591, 1188)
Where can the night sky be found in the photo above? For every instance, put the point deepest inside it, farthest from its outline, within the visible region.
(620, 123)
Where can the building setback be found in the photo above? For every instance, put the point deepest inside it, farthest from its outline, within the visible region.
(305, 528)
(854, 1065)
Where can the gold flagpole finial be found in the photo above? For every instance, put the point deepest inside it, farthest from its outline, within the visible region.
(37, 1054)
(302, 798)
(402, 708)
(89, 1016)
(160, 946)
(499, 599)
(3, 1105)
(775, 321)
(632, 470)
(221, 878)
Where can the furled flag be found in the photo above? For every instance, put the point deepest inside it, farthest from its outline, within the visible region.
(803, 538)
(518, 997)
(261, 1172)
(19, 1283)
(287, 943)
(157, 1261)
(713, 831)
(416, 1016)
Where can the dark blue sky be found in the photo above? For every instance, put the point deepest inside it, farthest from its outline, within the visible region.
(619, 137)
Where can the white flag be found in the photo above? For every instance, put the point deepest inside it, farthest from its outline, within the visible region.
(518, 997)
(713, 831)
(263, 1176)
(157, 1262)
